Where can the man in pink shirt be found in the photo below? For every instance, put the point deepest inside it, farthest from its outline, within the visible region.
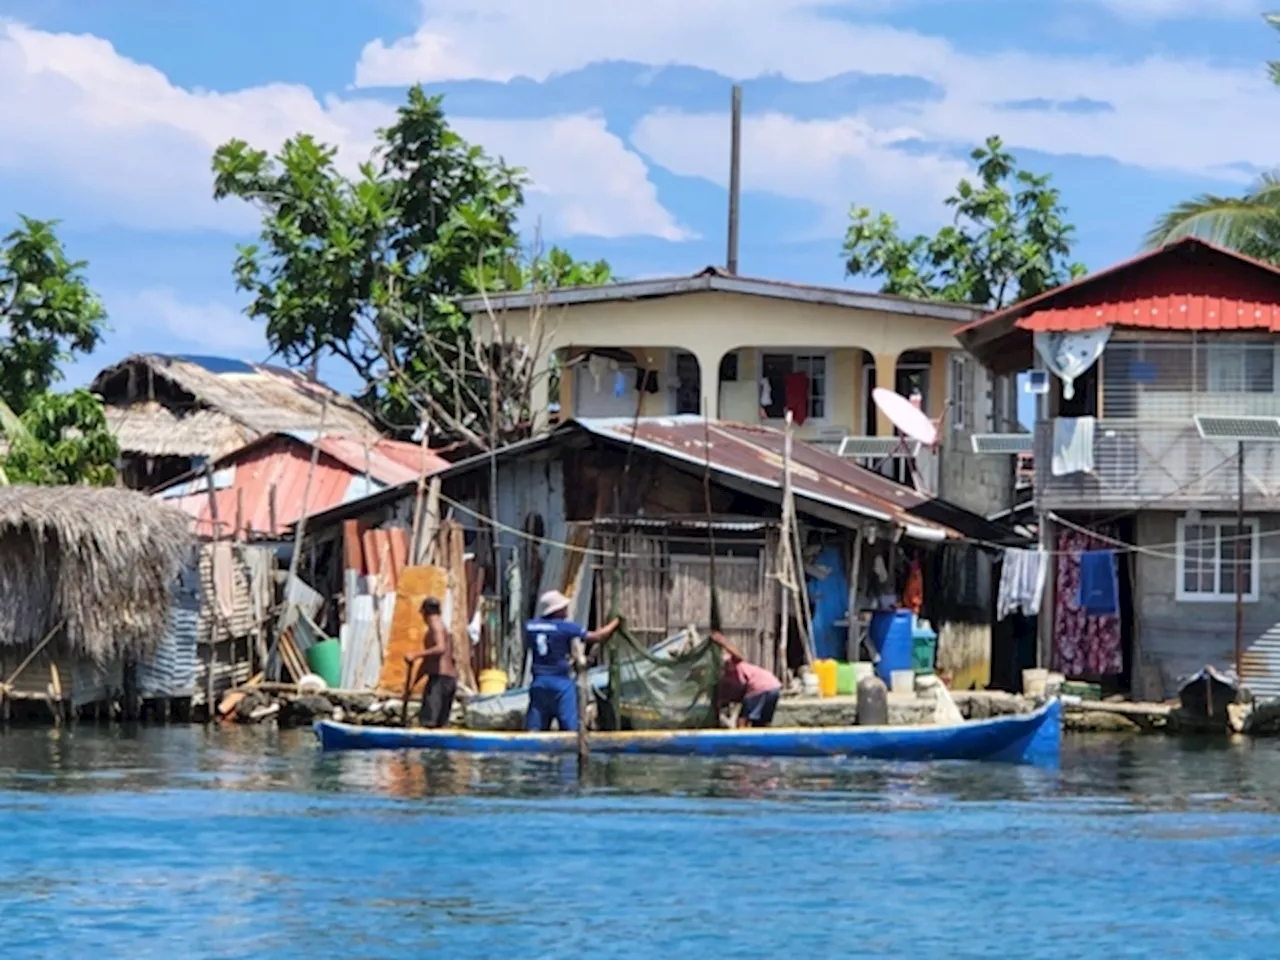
(742, 682)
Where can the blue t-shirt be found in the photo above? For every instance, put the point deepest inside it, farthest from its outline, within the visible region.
(552, 644)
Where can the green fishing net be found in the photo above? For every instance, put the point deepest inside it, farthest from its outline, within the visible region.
(667, 689)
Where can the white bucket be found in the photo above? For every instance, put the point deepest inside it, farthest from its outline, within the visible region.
(903, 681)
(861, 671)
(810, 681)
(1034, 682)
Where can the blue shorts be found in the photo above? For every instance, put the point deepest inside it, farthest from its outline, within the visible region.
(758, 710)
(552, 698)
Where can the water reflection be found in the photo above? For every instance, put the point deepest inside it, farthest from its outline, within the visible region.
(1136, 772)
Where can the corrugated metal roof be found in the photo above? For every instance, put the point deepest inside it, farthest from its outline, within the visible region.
(755, 454)
(282, 462)
(714, 279)
(1189, 285)
(750, 457)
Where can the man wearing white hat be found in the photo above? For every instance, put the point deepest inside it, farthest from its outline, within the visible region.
(552, 695)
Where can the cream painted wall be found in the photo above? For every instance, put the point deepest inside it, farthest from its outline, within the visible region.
(711, 324)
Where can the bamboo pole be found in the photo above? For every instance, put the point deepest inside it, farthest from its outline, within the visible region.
(584, 744)
(211, 657)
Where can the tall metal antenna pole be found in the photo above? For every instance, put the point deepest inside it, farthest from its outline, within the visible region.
(735, 178)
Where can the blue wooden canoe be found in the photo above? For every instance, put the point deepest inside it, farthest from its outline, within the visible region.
(1031, 738)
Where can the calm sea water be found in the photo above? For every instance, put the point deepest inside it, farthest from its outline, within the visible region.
(183, 842)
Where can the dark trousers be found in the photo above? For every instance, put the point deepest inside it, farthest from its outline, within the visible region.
(437, 701)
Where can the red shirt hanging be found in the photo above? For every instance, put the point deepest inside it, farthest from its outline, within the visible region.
(796, 391)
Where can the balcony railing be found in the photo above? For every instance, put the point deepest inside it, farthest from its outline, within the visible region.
(1159, 464)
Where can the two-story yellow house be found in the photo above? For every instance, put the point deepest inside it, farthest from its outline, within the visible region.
(746, 350)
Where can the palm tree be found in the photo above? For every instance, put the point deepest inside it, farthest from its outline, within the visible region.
(1249, 224)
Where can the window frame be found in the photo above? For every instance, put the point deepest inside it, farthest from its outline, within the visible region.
(959, 392)
(1255, 567)
(828, 368)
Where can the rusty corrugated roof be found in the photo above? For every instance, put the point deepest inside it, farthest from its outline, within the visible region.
(754, 454)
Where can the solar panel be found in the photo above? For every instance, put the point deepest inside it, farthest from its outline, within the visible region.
(860, 448)
(1239, 428)
(1006, 443)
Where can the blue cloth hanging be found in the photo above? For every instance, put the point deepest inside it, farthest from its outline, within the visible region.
(1099, 584)
(619, 384)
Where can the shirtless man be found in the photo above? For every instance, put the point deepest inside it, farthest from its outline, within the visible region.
(441, 673)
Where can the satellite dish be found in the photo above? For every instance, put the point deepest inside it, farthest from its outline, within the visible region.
(910, 420)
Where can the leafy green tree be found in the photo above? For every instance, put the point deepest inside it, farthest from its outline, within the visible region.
(369, 267)
(48, 316)
(62, 438)
(1009, 240)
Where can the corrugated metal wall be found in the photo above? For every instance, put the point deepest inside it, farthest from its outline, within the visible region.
(171, 670)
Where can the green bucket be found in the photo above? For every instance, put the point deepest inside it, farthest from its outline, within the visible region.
(325, 660)
(846, 680)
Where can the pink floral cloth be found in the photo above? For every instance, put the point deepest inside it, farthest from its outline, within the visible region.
(1084, 647)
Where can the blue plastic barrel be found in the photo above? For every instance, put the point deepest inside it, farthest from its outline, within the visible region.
(890, 634)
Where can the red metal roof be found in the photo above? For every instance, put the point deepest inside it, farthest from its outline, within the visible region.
(244, 480)
(1189, 285)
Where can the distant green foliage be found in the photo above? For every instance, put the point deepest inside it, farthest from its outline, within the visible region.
(1009, 240)
(48, 316)
(368, 268)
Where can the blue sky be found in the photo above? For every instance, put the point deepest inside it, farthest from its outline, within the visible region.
(619, 111)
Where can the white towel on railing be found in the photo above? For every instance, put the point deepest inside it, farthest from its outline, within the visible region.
(1073, 445)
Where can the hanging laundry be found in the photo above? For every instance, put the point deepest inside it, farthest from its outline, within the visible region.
(1099, 584)
(913, 592)
(619, 384)
(1022, 581)
(796, 391)
(766, 393)
(1073, 445)
(1085, 646)
(597, 366)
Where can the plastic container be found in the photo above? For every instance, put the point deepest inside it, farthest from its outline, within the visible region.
(826, 673)
(924, 648)
(846, 679)
(325, 660)
(890, 634)
(492, 681)
(810, 683)
(1034, 682)
(903, 682)
(862, 670)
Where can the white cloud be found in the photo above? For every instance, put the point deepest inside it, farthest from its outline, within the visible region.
(828, 162)
(159, 319)
(130, 145)
(585, 180)
(1168, 113)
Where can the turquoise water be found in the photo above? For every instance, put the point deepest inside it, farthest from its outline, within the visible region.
(183, 842)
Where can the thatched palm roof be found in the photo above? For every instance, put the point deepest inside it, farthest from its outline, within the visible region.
(179, 406)
(100, 561)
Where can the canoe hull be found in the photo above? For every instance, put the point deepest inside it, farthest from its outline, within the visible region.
(1033, 738)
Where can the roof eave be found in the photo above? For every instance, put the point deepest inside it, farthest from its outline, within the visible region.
(704, 283)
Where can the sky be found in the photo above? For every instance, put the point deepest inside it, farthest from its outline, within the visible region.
(619, 112)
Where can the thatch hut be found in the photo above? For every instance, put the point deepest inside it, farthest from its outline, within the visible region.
(86, 580)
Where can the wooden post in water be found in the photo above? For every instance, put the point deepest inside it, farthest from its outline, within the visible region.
(580, 670)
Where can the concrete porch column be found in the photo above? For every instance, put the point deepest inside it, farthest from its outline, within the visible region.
(709, 379)
(886, 375)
